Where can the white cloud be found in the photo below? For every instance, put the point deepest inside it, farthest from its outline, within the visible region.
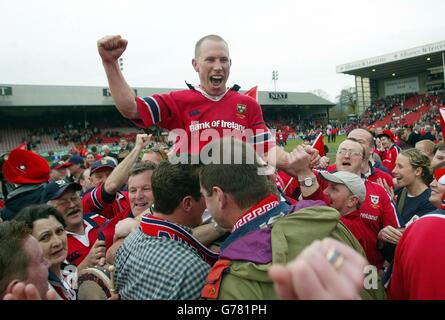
(54, 42)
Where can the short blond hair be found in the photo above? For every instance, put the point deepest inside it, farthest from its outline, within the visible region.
(429, 146)
(212, 37)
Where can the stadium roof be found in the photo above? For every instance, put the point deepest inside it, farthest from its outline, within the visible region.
(293, 99)
(62, 96)
(401, 63)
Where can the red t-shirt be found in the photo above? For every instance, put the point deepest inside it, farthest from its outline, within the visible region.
(419, 261)
(193, 112)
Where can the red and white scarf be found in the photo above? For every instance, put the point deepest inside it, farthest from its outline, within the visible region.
(157, 227)
(257, 210)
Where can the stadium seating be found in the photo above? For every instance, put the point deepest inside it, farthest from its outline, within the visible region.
(409, 105)
(10, 139)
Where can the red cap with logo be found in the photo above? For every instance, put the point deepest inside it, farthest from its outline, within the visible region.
(25, 167)
(387, 133)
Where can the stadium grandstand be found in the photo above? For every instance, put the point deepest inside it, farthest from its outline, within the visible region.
(400, 88)
(57, 118)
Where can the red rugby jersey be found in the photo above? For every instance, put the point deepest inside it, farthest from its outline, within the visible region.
(80, 245)
(377, 210)
(365, 236)
(197, 114)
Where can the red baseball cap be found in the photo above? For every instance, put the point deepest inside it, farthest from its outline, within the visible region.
(388, 134)
(25, 167)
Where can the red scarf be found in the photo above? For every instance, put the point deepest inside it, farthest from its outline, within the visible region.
(157, 227)
(257, 210)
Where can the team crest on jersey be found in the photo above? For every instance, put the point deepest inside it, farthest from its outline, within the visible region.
(375, 201)
(241, 110)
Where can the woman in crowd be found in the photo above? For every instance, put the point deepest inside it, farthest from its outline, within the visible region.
(413, 175)
(89, 159)
(48, 228)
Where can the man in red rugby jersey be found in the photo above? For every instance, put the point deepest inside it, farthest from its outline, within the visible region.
(200, 114)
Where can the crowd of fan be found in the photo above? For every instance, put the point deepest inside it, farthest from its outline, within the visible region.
(388, 106)
(246, 220)
(107, 181)
(83, 138)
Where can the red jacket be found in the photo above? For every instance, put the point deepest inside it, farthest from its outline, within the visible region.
(419, 261)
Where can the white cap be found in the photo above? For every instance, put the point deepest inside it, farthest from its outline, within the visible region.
(352, 181)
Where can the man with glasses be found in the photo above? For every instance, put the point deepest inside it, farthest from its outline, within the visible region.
(372, 170)
(377, 210)
(88, 238)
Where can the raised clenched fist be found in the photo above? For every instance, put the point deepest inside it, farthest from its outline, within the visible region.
(111, 48)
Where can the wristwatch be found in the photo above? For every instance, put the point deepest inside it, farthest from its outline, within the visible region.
(307, 182)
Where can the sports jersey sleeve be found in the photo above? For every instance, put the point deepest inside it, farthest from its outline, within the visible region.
(158, 109)
(262, 139)
(98, 200)
(317, 195)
